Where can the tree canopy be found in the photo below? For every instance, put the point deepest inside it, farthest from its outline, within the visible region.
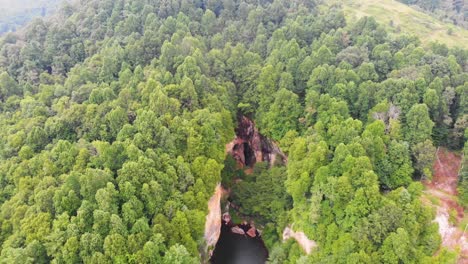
(115, 114)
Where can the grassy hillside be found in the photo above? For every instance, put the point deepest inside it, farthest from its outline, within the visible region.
(407, 19)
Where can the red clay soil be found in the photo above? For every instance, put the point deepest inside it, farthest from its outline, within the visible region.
(446, 167)
(444, 187)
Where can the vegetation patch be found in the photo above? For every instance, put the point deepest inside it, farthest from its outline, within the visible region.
(409, 20)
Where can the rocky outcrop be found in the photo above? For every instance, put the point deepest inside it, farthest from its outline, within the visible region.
(213, 219)
(226, 218)
(237, 230)
(306, 244)
(252, 232)
(250, 147)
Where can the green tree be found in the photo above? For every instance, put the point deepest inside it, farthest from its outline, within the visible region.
(37, 138)
(418, 124)
(115, 247)
(8, 86)
(178, 254)
(396, 169)
(283, 114)
(424, 153)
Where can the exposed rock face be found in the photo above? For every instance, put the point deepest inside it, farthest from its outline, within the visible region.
(250, 147)
(213, 219)
(306, 244)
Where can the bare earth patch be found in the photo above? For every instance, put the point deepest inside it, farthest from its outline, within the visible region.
(443, 188)
(306, 244)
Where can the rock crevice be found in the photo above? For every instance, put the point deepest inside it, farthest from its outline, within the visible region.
(250, 147)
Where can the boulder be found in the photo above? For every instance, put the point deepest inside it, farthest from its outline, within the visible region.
(237, 230)
(252, 232)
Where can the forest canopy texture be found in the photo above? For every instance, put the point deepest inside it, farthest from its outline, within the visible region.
(114, 117)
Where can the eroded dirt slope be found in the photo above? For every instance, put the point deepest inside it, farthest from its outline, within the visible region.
(442, 190)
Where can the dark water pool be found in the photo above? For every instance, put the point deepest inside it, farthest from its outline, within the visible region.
(238, 249)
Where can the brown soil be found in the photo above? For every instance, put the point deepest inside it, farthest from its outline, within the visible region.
(443, 187)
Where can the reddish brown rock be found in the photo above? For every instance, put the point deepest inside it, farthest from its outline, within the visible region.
(252, 232)
(250, 147)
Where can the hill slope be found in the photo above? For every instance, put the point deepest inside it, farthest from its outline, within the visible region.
(409, 20)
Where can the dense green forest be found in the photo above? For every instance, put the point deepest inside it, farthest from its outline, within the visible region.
(114, 118)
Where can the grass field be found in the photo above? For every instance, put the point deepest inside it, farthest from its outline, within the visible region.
(409, 20)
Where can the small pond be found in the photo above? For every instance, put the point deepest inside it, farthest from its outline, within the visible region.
(238, 249)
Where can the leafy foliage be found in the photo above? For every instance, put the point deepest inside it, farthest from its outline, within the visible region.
(115, 117)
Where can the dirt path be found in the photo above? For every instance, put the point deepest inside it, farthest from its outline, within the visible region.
(443, 188)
